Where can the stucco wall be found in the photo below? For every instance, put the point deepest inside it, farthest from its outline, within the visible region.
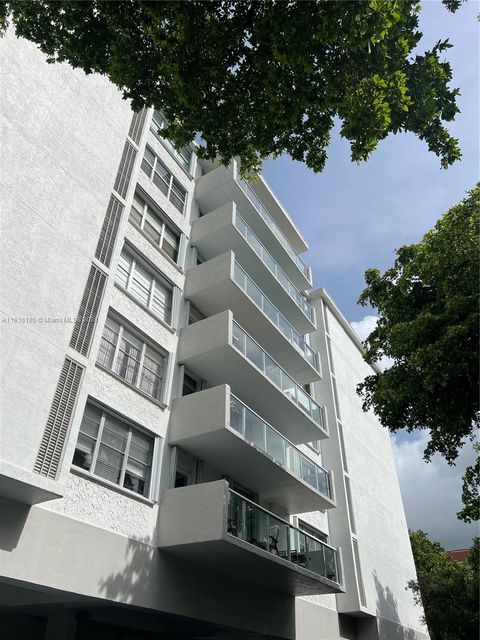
(384, 547)
(62, 139)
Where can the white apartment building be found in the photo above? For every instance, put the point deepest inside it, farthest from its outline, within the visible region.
(183, 454)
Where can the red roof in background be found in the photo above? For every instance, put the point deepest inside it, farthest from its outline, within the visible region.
(460, 555)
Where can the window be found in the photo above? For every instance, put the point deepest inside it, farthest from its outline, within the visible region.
(127, 355)
(194, 315)
(154, 227)
(114, 450)
(164, 180)
(191, 384)
(316, 445)
(312, 531)
(188, 469)
(150, 290)
(183, 156)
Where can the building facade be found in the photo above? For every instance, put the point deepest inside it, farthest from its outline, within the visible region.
(183, 454)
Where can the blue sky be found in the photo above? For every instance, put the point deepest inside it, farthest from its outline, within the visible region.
(355, 216)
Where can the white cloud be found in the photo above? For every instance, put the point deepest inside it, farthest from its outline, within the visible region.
(364, 327)
(431, 491)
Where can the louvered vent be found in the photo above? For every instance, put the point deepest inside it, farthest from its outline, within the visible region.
(58, 423)
(136, 127)
(88, 313)
(125, 169)
(108, 234)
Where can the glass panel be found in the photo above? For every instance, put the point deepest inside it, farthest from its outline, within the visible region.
(294, 459)
(141, 284)
(162, 301)
(109, 464)
(273, 372)
(255, 430)
(152, 373)
(178, 195)
(162, 177)
(190, 385)
(270, 310)
(237, 415)
(254, 353)
(83, 454)
(239, 276)
(170, 244)
(128, 360)
(123, 268)
(240, 225)
(276, 446)
(254, 292)
(261, 528)
(108, 343)
(115, 434)
(136, 212)
(238, 337)
(309, 472)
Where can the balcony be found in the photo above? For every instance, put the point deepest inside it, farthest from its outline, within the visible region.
(218, 350)
(223, 185)
(225, 229)
(215, 426)
(211, 525)
(27, 487)
(221, 283)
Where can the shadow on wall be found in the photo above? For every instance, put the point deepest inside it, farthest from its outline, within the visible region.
(159, 580)
(13, 519)
(388, 620)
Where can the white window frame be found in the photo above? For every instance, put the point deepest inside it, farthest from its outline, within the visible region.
(154, 463)
(157, 350)
(171, 179)
(156, 278)
(161, 220)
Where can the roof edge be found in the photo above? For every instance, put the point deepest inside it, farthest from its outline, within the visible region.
(321, 293)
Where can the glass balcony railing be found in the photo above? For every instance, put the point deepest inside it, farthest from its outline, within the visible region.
(273, 267)
(257, 203)
(255, 294)
(254, 524)
(260, 434)
(277, 375)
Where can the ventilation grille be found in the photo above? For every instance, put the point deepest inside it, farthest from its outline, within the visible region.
(108, 234)
(88, 313)
(58, 423)
(125, 170)
(136, 127)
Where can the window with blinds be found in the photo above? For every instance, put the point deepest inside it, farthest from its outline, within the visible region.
(157, 231)
(182, 156)
(149, 288)
(164, 180)
(114, 450)
(127, 355)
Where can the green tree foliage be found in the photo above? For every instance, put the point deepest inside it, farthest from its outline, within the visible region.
(260, 77)
(447, 589)
(428, 304)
